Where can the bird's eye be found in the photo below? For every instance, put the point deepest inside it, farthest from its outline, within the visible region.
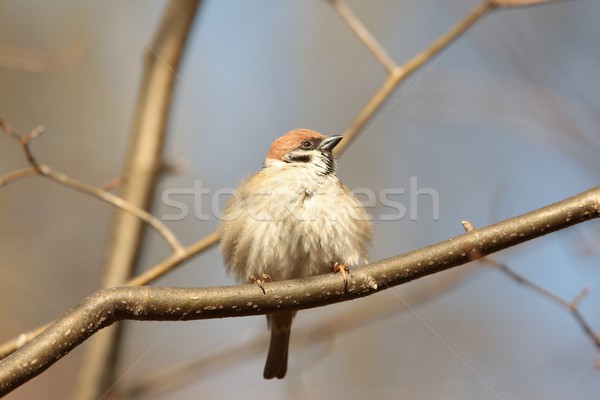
(307, 144)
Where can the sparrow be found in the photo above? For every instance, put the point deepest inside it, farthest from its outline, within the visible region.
(293, 219)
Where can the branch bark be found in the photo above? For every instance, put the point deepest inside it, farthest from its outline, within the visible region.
(144, 160)
(108, 306)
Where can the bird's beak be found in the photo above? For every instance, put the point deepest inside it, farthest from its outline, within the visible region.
(330, 142)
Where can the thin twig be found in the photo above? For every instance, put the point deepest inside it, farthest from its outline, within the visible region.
(520, 3)
(58, 177)
(114, 184)
(16, 175)
(175, 260)
(26, 141)
(4, 127)
(400, 73)
(108, 306)
(571, 306)
(118, 202)
(364, 35)
(579, 297)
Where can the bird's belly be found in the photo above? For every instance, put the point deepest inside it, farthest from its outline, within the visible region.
(301, 239)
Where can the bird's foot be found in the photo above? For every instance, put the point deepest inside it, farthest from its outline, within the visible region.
(259, 282)
(343, 270)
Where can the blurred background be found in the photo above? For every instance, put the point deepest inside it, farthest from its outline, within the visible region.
(504, 122)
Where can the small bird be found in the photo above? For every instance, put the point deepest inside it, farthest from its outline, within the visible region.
(293, 219)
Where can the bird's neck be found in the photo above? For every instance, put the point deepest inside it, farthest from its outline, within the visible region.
(301, 177)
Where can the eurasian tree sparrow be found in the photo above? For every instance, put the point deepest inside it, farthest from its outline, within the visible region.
(293, 219)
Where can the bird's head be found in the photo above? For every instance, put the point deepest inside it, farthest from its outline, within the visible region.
(304, 148)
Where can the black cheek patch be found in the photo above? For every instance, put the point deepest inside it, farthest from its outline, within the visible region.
(300, 158)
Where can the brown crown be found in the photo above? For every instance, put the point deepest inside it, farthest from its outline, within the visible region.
(291, 140)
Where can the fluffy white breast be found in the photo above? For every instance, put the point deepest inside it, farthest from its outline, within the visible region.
(288, 222)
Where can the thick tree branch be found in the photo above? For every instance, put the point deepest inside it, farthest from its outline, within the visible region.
(321, 332)
(144, 278)
(108, 306)
(143, 163)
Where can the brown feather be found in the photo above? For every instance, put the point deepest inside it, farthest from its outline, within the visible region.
(288, 142)
(277, 359)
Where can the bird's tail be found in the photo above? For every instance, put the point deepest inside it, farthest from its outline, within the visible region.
(277, 358)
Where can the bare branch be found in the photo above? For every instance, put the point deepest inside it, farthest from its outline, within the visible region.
(579, 298)
(175, 260)
(118, 202)
(58, 177)
(321, 331)
(144, 278)
(399, 74)
(114, 184)
(16, 175)
(7, 129)
(571, 306)
(364, 35)
(107, 306)
(11, 346)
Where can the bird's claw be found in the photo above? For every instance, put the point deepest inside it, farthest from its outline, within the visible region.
(343, 270)
(259, 282)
